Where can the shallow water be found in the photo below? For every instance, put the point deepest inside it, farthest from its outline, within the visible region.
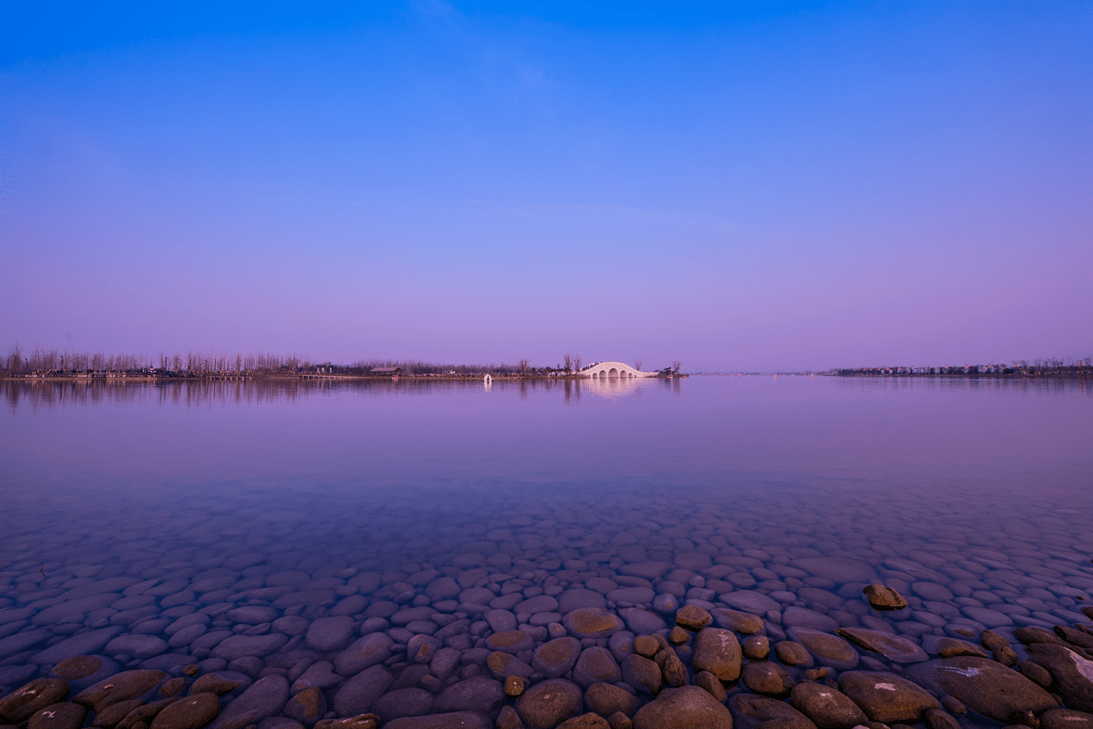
(973, 498)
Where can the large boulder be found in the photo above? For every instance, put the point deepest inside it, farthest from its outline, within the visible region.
(828, 708)
(687, 707)
(887, 698)
(985, 686)
(718, 651)
(549, 703)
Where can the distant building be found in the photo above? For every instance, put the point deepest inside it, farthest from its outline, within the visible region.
(386, 371)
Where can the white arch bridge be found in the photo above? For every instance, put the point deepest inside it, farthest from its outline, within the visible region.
(611, 370)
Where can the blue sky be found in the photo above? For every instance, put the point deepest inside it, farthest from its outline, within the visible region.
(751, 186)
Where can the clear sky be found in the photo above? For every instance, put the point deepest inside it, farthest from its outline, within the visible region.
(738, 186)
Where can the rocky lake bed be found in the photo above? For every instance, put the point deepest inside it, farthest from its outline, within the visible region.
(709, 598)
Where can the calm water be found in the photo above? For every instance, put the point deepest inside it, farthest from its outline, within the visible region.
(299, 497)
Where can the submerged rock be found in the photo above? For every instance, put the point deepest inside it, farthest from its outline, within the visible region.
(688, 707)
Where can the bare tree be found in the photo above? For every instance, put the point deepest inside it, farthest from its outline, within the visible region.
(675, 367)
(577, 362)
(523, 367)
(637, 365)
(15, 358)
(568, 360)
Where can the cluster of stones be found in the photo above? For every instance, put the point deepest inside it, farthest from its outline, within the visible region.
(493, 616)
(594, 668)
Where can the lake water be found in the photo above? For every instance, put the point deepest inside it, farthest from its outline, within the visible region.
(150, 523)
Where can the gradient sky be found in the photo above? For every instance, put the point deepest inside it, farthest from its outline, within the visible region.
(758, 186)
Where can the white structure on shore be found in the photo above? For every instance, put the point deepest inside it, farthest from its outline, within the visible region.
(609, 370)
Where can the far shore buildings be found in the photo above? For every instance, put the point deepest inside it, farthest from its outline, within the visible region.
(385, 371)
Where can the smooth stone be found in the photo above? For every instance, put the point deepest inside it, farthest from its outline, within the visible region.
(801, 617)
(291, 625)
(112, 716)
(749, 601)
(549, 703)
(77, 667)
(502, 665)
(828, 650)
(22, 641)
(259, 646)
(741, 622)
(986, 616)
(319, 674)
(577, 598)
(892, 647)
(931, 591)
(828, 708)
(1058, 719)
(359, 693)
(646, 570)
(21, 704)
(363, 653)
(409, 615)
(985, 686)
(632, 595)
(555, 658)
(881, 597)
(642, 622)
(687, 707)
(252, 615)
(751, 711)
(606, 699)
(58, 716)
(78, 645)
(309, 705)
(511, 641)
(1072, 674)
(70, 611)
(718, 651)
(265, 697)
(138, 646)
(593, 623)
(330, 633)
(836, 569)
(792, 653)
(887, 698)
(451, 720)
(756, 648)
(642, 673)
(421, 648)
(596, 665)
(501, 621)
(478, 694)
(952, 647)
(537, 604)
(693, 618)
(191, 712)
(585, 721)
(120, 687)
(216, 683)
(404, 702)
(766, 677)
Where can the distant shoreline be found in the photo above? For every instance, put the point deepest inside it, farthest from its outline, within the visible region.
(238, 377)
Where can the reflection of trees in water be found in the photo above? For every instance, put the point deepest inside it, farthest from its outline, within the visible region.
(58, 393)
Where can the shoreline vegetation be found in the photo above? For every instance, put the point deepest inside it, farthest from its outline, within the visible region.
(1020, 369)
(81, 366)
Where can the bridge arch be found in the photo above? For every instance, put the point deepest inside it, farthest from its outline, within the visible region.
(605, 370)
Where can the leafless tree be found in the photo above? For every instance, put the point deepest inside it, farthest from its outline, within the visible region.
(523, 366)
(637, 365)
(15, 358)
(568, 362)
(577, 362)
(675, 366)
